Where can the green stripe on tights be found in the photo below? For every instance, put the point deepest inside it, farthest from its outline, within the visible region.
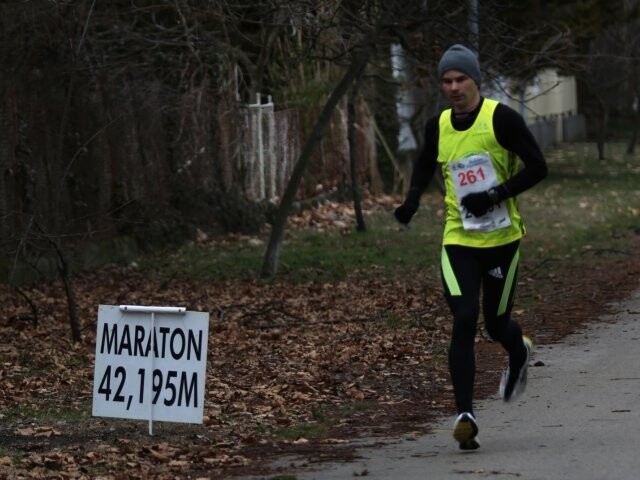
(509, 283)
(449, 277)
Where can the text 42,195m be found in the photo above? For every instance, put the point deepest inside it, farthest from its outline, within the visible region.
(175, 388)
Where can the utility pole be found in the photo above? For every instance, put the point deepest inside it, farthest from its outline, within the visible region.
(473, 25)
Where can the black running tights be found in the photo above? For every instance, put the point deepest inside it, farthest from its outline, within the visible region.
(466, 273)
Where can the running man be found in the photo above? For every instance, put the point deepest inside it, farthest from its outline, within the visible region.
(477, 143)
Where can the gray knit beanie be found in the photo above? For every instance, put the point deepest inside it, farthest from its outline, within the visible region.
(459, 57)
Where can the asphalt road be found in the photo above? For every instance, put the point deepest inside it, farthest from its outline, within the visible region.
(578, 419)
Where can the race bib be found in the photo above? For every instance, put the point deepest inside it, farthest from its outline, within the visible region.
(476, 174)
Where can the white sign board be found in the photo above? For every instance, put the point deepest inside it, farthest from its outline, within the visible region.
(150, 363)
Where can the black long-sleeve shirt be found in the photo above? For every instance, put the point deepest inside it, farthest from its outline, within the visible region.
(512, 134)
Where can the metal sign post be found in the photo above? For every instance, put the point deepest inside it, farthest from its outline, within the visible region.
(152, 311)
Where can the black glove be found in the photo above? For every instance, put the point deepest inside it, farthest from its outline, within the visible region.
(407, 210)
(477, 203)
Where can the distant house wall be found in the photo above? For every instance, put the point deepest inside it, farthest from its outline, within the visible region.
(550, 94)
(549, 105)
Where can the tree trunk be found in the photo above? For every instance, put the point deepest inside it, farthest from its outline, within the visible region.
(71, 301)
(351, 131)
(65, 275)
(603, 115)
(272, 254)
(631, 147)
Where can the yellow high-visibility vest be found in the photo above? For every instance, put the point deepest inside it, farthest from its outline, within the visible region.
(454, 145)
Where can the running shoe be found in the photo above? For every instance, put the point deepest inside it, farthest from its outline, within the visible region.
(465, 431)
(513, 384)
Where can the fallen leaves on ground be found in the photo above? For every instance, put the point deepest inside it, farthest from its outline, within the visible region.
(281, 358)
(291, 368)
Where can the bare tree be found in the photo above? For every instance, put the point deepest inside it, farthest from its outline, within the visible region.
(126, 117)
(606, 68)
(361, 225)
(272, 254)
(107, 119)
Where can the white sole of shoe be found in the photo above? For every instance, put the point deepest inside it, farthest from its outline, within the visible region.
(465, 431)
(521, 382)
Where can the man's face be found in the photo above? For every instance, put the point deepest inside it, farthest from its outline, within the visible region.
(461, 90)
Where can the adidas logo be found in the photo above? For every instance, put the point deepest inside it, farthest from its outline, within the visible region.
(496, 273)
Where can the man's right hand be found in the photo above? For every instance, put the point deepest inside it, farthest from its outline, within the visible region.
(405, 212)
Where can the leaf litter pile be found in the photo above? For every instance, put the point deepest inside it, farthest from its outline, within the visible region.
(308, 369)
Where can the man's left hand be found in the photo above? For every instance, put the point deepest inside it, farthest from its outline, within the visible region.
(477, 203)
